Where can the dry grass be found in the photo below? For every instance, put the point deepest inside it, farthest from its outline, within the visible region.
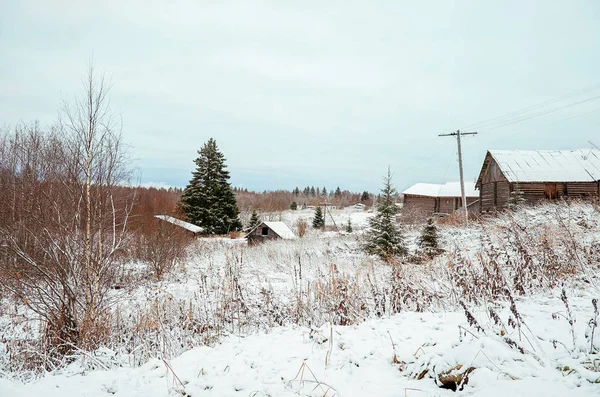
(329, 280)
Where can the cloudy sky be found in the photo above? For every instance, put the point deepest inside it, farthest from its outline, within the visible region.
(321, 93)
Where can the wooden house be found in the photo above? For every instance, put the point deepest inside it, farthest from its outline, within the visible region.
(269, 231)
(538, 174)
(432, 198)
(190, 227)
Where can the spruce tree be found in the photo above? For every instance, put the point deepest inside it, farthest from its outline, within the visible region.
(365, 196)
(318, 220)
(349, 226)
(516, 198)
(429, 238)
(384, 238)
(208, 200)
(294, 206)
(254, 221)
(338, 193)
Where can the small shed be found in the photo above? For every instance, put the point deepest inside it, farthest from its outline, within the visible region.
(190, 227)
(433, 198)
(538, 174)
(269, 231)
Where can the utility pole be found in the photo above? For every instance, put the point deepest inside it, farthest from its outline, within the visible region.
(325, 213)
(457, 134)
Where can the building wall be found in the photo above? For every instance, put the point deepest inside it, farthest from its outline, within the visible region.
(438, 205)
(421, 203)
(257, 236)
(495, 195)
(495, 189)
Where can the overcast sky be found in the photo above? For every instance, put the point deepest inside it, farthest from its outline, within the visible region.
(322, 93)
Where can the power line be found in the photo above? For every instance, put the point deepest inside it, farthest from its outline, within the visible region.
(531, 116)
(518, 113)
(547, 125)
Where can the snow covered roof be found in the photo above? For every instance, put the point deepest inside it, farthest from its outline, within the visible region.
(281, 230)
(186, 225)
(581, 165)
(449, 189)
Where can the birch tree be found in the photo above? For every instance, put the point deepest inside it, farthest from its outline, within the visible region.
(63, 255)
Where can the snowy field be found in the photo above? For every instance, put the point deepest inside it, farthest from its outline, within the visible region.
(317, 317)
(353, 361)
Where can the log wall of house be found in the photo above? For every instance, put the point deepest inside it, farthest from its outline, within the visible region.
(495, 190)
(582, 189)
(534, 192)
(421, 203)
(257, 236)
(494, 195)
(447, 205)
(431, 205)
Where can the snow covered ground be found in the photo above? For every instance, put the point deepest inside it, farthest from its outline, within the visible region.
(266, 313)
(335, 217)
(354, 361)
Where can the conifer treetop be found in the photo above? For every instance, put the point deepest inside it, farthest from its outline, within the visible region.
(208, 200)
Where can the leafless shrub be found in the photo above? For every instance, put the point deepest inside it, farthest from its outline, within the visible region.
(413, 216)
(67, 222)
(456, 218)
(591, 329)
(338, 295)
(302, 226)
(161, 247)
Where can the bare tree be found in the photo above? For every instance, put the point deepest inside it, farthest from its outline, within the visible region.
(62, 249)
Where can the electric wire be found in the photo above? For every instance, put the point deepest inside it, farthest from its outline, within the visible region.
(523, 112)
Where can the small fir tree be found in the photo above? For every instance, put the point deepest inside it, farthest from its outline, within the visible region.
(254, 221)
(429, 239)
(294, 206)
(208, 200)
(516, 198)
(384, 238)
(349, 226)
(324, 192)
(318, 220)
(365, 196)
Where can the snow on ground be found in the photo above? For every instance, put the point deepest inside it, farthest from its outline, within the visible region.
(270, 360)
(358, 217)
(350, 361)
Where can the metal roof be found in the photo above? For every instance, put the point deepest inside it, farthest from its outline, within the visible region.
(449, 189)
(581, 165)
(186, 225)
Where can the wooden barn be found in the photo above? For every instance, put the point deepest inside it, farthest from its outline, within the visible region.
(432, 198)
(190, 227)
(269, 231)
(538, 174)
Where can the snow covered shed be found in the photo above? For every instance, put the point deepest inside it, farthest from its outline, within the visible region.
(433, 198)
(538, 174)
(190, 227)
(269, 231)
